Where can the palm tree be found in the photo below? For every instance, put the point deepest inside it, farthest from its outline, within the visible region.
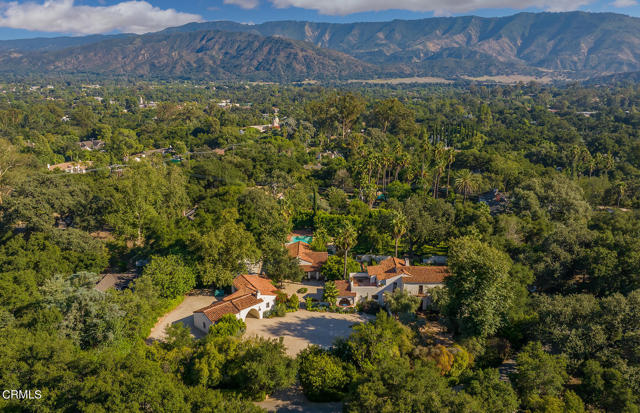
(345, 240)
(622, 189)
(398, 227)
(466, 182)
(451, 157)
(440, 165)
(609, 162)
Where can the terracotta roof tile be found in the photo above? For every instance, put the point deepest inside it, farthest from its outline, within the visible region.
(344, 289)
(302, 251)
(392, 267)
(426, 275)
(386, 269)
(215, 311)
(253, 283)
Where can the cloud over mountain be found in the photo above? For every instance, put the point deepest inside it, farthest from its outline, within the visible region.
(64, 16)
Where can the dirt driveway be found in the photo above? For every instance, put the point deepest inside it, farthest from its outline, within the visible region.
(182, 314)
(302, 328)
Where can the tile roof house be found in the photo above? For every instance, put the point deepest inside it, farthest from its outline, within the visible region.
(252, 296)
(310, 261)
(393, 273)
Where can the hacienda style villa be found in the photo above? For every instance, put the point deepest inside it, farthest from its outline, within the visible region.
(254, 295)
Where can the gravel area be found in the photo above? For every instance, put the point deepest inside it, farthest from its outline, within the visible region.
(182, 314)
(302, 328)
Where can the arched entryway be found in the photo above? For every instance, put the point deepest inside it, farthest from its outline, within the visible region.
(253, 313)
(345, 302)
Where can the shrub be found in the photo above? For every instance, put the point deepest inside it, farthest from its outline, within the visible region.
(281, 298)
(308, 303)
(302, 290)
(279, 310)
(228, 325)
(293, 303)
(368, 307)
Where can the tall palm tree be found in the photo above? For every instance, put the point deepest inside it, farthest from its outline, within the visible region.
(345, 240)
(398, 228)
(451, 157)
(440, 162)
(622, 189)
(466, 182)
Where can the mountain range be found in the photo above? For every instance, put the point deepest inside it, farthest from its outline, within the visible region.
(575, 45)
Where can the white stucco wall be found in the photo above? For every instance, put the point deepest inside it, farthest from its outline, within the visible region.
(364, 293)
(413, 289)
(201, 322)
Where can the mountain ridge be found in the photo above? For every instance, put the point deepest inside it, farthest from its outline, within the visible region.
(575, 45)
(198, 54)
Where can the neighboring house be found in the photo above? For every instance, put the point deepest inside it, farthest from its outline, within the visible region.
(392, 274)
(71, 167)
(252, 296)
(92, 145)
(310, 261)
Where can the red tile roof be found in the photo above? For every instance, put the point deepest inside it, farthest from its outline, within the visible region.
(392, 267)
(302, 251)
(252, 284)
(388, 268)
(426, 275)
(343, 289)
(215, 311)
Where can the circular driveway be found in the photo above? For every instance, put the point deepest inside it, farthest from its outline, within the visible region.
(302, 328)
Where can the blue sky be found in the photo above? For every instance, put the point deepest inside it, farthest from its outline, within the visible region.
(33, 18)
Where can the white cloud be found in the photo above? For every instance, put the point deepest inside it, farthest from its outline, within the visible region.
(439, 7)
(245, 4)
(624, 3)
(63, 16)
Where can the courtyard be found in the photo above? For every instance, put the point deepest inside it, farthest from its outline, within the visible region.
(303, 328)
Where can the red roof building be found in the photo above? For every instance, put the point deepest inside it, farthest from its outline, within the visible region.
(310, 261)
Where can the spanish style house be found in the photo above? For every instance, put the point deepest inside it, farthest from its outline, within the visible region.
(391, 274)
(310, 261)
(252, 296)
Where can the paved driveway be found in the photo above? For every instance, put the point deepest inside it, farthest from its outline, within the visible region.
(292, 400)
(182, 314)
(314, 289)
(302, 328)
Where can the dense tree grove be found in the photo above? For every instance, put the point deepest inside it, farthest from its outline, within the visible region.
(532, 191)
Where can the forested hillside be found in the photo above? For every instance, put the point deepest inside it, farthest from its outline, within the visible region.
(194, 55)
(532, 191)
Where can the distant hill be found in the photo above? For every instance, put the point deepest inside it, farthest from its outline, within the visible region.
(195, 54)
(574, 45)
(582, 44)
(53, 43)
